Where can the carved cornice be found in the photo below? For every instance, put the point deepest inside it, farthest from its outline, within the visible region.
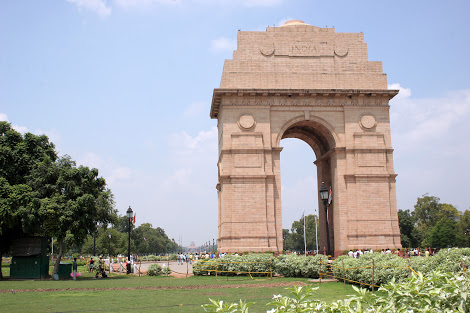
(300, 97)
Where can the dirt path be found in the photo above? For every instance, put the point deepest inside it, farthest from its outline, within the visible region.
(266, 285)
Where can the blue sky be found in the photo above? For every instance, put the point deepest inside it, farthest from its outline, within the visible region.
(126, 85)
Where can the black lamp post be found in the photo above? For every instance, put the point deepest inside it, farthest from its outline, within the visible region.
(213, 244)
(94, 240)
(324, 198)
(109, 250)
(94, 243)
(129, 216)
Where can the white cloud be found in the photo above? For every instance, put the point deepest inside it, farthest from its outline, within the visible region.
(223, 44)
(185, 143)
(96, 6)
(3, 117)
(431, 146)
(403, 92)
(423, 120)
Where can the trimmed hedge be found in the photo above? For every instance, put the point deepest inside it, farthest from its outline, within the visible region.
(389, 266)
(292, 265)
(259, 264)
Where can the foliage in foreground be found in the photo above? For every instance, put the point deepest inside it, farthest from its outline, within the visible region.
(436, 293)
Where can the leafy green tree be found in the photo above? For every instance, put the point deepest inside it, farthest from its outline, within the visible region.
(294, 240)
(443, 234)
(410, 234)
(118, 241)
(19, 155)
(428, 211)
(42, 194)
(462, 226)
(152, 240)
(72, 202)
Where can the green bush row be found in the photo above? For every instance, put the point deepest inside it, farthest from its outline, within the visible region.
(389, 266)
(259, 264)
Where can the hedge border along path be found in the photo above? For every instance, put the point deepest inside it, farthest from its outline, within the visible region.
(284, 284)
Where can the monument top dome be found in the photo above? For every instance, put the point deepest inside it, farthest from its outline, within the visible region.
(294, 23)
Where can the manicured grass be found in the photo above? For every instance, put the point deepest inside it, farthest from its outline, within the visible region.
(145, 300)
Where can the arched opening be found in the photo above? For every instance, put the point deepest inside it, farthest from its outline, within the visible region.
(298, 185)
(321, 140)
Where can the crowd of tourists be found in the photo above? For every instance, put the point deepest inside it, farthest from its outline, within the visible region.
(356, 253)
(182, 258)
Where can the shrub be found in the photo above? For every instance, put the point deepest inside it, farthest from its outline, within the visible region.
(300, 266)
(154, 270)
(166, 270)
(204, 267)
(254, 264)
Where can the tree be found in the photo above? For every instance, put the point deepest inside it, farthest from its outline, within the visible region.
(73, 201)
(410, 234)
(463, 225)
(425, 225)
(443, 234)
(427, 211)
(295, 239)
(42, 194)
(152, 240)
(19, 155)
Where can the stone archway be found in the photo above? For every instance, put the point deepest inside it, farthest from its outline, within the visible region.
(321, 138)
(301, 81)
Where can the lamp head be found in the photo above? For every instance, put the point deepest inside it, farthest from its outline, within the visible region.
(129, 212)
(323, 193)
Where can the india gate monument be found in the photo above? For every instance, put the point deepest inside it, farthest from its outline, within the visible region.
(317, 85)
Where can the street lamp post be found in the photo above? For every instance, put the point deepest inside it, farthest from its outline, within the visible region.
(129, 216)
(109, 250)
(94, 243)
(324, 198)
(94, 240)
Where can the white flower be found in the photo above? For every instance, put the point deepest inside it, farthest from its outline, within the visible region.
(277, 296)
(271, 311)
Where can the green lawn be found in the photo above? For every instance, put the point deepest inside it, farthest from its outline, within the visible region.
(145, 300)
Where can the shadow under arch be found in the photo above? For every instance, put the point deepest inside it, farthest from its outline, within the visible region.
(315, 131)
